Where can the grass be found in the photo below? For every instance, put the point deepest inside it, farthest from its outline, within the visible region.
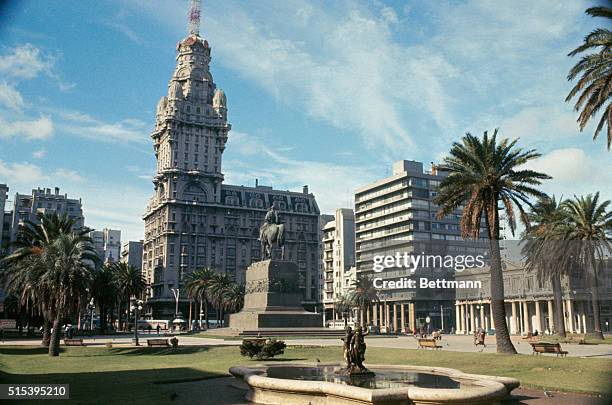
(100, 375)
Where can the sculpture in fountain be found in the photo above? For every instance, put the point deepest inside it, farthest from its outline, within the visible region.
(354, 352)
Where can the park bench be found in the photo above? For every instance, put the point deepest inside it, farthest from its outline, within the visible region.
(158, 342)
(542, 347)
(74, 342)
(431, 343)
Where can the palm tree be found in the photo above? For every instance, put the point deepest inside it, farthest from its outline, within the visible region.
(104, 292)
(364, 294)
(482, 173)
(70, 262)
(218, 287)
(589, 229)
(198, 283)
(343, 305)
(595, 71)
(234, 298)
(129, 282)
(24, 267)
(544, 253)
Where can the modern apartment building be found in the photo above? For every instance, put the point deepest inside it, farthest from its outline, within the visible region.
(397, 214)
(107, 243)
(43, 200)
(193, 219)
(131, 253)
(338, 259)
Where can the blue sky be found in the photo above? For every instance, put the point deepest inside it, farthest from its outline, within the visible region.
(320, 93)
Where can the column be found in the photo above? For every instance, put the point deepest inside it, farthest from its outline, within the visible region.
(387, 317)
(550, 316)
(570, 315)
(491, 314)
(538, 317)
(482, 322)
(583, 315)
(403, 316)
(466, 317)
(472, 320)
(412, 320)
(457, 318)
(526, 320)
(395, 317)
(375, 314)
(382, 314)
(368, 320)
(513, 323)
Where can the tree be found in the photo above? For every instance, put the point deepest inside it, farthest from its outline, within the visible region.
(482, 173)
(219, 285)
(364, 294)
(70, 260)
(104, 292)
(234, 298)
(343, 306)
(594, 87)
(198, 285)
(544, 251)
(129, 283)
(589, 229)
(24, 267)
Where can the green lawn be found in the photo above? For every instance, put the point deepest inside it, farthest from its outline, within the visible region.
(138, 375)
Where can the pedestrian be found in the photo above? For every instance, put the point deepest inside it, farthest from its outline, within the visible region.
(157, 328)
(149, 328)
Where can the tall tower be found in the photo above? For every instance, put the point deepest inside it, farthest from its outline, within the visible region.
(189, 138)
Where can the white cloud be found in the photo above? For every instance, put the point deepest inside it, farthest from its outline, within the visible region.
(65, 174)
(25, 62)
(541, 123)
(34, 129)
(23, 172)
(332, 184)
(85, 126)
(574, 171)
(10, 97)
(39, 154)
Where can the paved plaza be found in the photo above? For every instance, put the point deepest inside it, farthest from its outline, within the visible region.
(458, 343)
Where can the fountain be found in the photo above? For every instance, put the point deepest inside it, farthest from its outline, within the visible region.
(353, 383)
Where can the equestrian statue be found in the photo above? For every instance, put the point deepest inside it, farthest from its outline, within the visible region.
(272, 234)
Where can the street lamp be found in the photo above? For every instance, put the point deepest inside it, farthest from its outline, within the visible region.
(136, 306)
(176, 292)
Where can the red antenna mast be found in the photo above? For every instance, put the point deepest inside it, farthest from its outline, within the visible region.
(194, 17)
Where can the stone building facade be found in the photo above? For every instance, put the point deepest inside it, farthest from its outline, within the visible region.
(529, 302)
(195, 220)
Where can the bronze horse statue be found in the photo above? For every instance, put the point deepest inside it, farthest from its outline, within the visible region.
(272, 235)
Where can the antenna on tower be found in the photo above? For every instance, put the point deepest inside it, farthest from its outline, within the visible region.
(194, 17)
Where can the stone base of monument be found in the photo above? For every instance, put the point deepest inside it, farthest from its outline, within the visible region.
(272, 301)
(355, 372)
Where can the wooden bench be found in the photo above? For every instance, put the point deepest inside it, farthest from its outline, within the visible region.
(542, 347)
(73, 342)
(431, 343)
(158, 342)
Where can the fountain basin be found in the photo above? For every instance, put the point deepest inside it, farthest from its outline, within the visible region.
(318, 384)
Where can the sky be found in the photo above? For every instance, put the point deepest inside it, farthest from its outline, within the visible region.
(322, 93)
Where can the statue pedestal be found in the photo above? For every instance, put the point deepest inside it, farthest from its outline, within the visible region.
(273, 299)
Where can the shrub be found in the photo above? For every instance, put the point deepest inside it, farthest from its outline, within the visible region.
(174, 342)
(262, 348)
